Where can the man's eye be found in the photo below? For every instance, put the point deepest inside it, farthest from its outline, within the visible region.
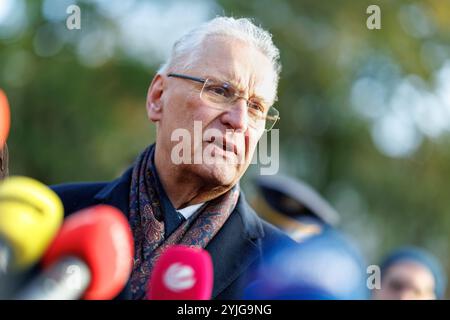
(256, 107)
(220, 91)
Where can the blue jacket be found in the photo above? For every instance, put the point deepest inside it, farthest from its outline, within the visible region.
(237, 249)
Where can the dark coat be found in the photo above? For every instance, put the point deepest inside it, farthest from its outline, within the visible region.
(237, 249)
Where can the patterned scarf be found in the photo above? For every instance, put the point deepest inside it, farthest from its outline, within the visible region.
(147, 222)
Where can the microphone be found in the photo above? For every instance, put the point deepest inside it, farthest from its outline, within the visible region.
(4, 118)
(30, 215)
(182, 273)
(90, 258)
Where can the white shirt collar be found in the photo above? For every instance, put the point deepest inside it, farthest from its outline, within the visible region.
(189, 211)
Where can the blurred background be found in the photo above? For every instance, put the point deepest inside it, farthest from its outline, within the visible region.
(365, 114)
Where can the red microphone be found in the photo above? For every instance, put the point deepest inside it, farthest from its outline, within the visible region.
(4, 118)
(90, 258)
(182, 273)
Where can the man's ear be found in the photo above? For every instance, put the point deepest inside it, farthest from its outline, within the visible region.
(154, 101)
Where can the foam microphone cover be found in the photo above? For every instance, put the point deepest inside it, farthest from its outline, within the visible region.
(30, 216)
(182, 273)
(4, 118)
(102, 238)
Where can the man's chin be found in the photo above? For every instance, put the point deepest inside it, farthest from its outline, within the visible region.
(219, 174)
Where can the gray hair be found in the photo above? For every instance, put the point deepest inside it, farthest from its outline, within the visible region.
(183, 50)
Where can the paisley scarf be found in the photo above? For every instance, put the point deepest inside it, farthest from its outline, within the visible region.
(147, 222)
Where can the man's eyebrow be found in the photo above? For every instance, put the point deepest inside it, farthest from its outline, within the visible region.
(240, 87)
(229, 78)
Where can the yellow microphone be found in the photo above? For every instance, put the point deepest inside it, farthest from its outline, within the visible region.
(30, 216)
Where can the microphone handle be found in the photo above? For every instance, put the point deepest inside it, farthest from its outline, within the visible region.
(6, 258)
(66, 279)
(7, 275)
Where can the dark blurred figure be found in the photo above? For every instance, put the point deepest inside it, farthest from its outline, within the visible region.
(411, 273)
(293, 206)
(4, 162)
(324, 267)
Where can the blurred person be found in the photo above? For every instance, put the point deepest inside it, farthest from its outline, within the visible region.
(4, 162)
(293, 206)
(327, 266)
(223, 74)
(411, 273)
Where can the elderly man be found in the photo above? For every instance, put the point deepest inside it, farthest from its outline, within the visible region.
(221, 78)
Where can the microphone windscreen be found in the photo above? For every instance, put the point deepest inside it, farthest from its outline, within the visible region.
(182, 273)
(4, 118)
(102, 238)
(30, 216)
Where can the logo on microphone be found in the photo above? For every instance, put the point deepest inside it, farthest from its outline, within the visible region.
(179, 277)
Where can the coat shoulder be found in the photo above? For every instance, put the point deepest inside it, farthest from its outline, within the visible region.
(77, 196)
(275, 237)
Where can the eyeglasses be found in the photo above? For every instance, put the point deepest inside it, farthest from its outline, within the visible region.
(222, 95)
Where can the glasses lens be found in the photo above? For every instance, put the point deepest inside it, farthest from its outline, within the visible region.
(218, 93)
(272, 117)
(222, 95)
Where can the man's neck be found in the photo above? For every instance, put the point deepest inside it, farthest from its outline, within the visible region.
(183, 188)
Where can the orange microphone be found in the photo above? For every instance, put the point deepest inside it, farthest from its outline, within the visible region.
(4, 118)
(90, 258)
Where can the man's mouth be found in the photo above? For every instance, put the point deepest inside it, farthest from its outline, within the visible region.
(223, 144)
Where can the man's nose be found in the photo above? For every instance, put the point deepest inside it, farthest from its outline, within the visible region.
(236, 116)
